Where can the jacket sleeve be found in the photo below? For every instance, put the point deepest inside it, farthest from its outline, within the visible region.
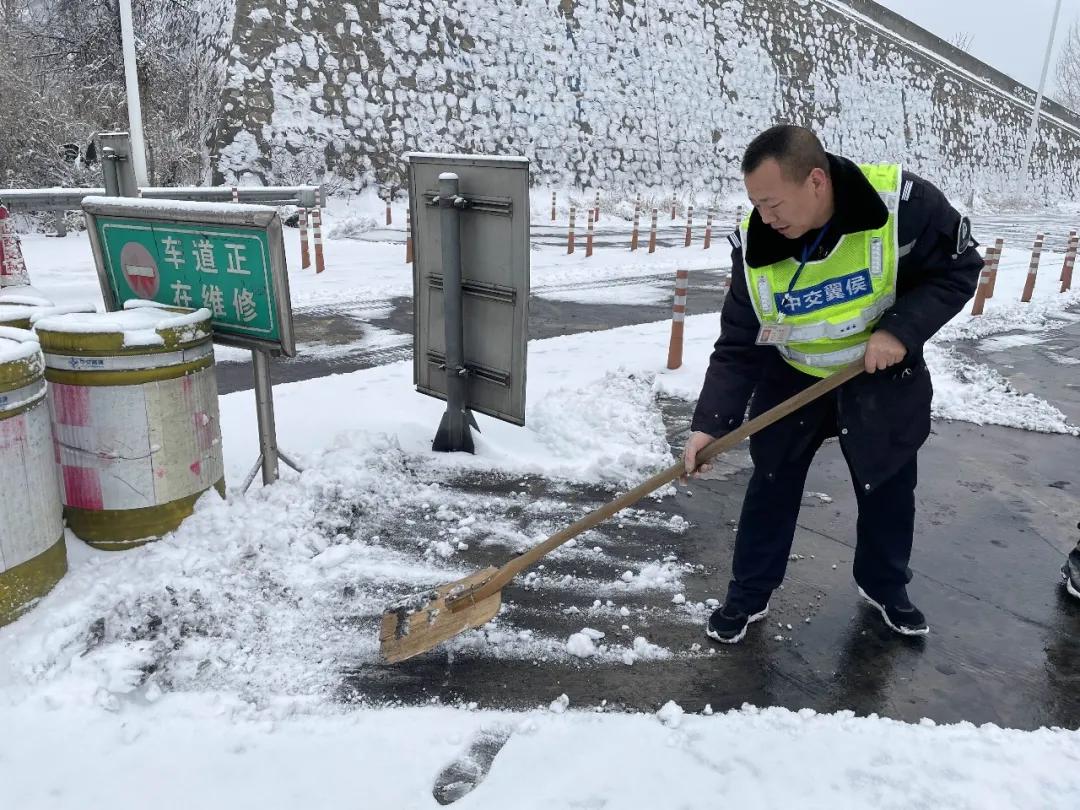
(736, 361)
(937, 276)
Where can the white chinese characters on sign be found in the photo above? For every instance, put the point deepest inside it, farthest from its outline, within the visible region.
(181, 294)
(213, 300)
(204, 256)
(237, 260)
(244, 304)
(173, 254)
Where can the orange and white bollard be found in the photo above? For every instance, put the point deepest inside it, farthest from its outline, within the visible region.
(588, 237)
(673, 202)
(678, 318)
(596, 208)
(553, 206)
(235, 194)
(738, 217)
(689, 224)
(652, 233)
(305, 253)
(1033, 269)
(570, 232)
(1061, 276)
(708, 230)
(389, 214)
(1070, 261)
(408, 238)
(989, 266)
(316, 232)
(637, 222)
(999, 246)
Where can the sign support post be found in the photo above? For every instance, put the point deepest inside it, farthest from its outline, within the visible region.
(269, 452)
(117, 168)
(453, 434)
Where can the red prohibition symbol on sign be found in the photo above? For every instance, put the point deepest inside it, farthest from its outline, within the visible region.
(140, 270)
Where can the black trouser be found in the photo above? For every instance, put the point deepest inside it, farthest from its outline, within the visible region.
(770, 509)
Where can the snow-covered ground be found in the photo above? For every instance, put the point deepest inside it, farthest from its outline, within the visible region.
(220, 752)
(214, 654)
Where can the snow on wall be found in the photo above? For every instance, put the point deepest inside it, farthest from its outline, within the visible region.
(622, 93)
(213, 40)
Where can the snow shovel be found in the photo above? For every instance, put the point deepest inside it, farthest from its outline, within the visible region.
(422, 621)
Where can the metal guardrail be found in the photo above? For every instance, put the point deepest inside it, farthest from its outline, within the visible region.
(58, 200)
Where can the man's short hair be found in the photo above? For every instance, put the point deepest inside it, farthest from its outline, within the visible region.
(796, 149)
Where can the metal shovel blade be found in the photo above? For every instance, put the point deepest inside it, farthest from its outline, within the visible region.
(422, 621)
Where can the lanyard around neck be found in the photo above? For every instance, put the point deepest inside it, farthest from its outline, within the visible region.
(807, 253)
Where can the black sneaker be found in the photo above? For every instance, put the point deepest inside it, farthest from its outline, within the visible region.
(1070, 572)
(728, 626)
(906, 619)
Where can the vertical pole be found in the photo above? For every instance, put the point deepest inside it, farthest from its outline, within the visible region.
(637, 222)
(316, 232)
(652, 233)
(708, 230)
(553, 206)
(1070, 261)
(589, 236)
(235, 194)
(389, 216)
(110, 171)
(1034, 125)
(1061, 275)
(134, 105)
(570, 232)
(678, 318)
(1033, 269)
(264, 409)
(673, 201)
(999, 248)
(454, 434)
(689, 224)
(305, 253)
(984, 282)
(596, 208)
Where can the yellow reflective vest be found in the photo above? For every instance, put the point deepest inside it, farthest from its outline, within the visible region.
(835, 303)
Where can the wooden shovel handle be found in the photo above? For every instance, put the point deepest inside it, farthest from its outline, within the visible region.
(595, 518)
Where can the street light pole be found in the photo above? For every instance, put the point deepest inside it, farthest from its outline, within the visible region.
(1033, 128)
(134, 105)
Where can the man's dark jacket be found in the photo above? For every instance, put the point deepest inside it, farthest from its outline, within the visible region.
(883, 418)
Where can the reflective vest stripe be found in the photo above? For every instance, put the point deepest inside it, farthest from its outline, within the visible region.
(857, 324)
(825, 359)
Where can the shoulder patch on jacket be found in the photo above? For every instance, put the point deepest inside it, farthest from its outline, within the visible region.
(911, 190)
(735, 239)
(963, 235)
